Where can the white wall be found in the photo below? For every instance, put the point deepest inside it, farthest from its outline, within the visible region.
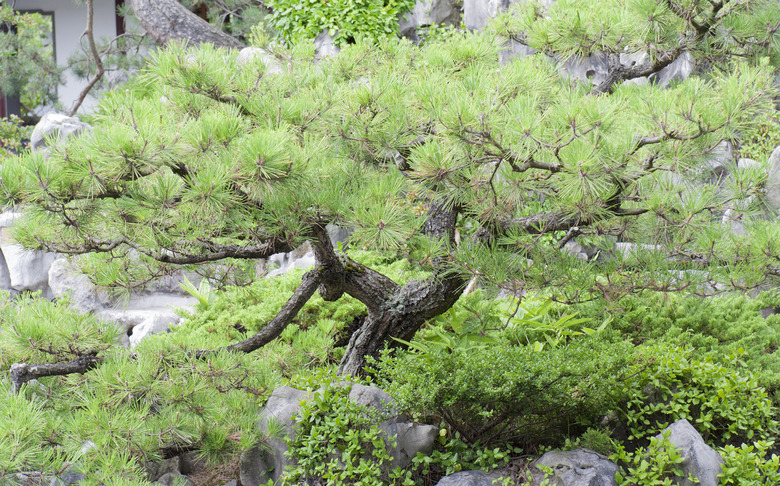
(70, 20)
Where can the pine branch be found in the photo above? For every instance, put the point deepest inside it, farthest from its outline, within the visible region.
(22, 373)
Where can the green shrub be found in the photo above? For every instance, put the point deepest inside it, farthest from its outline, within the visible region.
(725, 405)
(713, 327)
(748, 465)
(657, 464)
(339, 442)
(758, 145)
(347, 20)
(12, 134)
(499, 393)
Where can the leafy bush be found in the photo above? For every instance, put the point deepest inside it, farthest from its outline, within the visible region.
(657, 464)
(12, 135)
(346, 20)
(725, 405)
(339, 442)
(713, 327)
(451, 455)
(748, 465)
(759, 144)
(501, 394)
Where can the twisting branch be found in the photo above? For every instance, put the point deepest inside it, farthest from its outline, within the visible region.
(88, 33)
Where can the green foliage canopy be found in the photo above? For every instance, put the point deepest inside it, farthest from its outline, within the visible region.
(202, 159)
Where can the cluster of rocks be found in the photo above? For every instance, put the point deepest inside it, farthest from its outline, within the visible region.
(700, 464)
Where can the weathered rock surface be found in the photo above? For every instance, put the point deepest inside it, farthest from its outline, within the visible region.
(699, 460)
(324, 45)
(772, 196)
(28, 270)
(249, 55)
(66, 280)
(146, 315)
(258, 465)
(470, 478)
(580, 467)
(174, 479)
(426, 13)
(55, 126)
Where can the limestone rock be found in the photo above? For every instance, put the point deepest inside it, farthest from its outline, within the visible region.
(699, 460)
(146, 315)
(68, 477)
(435, 12)
(426, 13)
(470, 478)
(281, 263)
(27, 269)
(174, 479)
(324, 45)
(477, 13)
(260, 464)
(772, 196)
(66, 279)
(56, 126)
(580, 467)
(248, 55)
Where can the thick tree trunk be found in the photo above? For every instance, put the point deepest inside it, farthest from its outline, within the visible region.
(167, 20)
(393, 311)
(400, 317)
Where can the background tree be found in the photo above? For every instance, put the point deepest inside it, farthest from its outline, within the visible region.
(27, 59)
(437, 154)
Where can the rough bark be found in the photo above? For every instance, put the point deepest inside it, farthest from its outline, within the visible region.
(399, 311)
(401, 317)
(167, 20)
(22, 373)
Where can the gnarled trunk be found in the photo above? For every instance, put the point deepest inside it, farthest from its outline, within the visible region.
(400, 317)
(167, 20)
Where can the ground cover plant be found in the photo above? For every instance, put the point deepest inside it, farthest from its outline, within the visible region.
(467, 180)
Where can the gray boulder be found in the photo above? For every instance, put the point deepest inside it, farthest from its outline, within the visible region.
(580, 467)
(435, 12)
(281, 263)
(260, 464)
(470, 478)
(56, 127)
(477, 13)
(28, 270)
(426, 13)
(68, 477)
(21, 269)
(174, 479)
(772, 195)
(146, 315)
(250, 55)
(699, 460)
(324, 45)
(65, 279)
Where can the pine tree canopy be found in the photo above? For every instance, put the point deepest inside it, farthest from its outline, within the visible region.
(436, 152)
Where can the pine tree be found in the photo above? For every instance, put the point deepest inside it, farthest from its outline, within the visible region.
(438, 154)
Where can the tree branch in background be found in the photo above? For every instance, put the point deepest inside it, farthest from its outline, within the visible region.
(89, 34)
(168, 20)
